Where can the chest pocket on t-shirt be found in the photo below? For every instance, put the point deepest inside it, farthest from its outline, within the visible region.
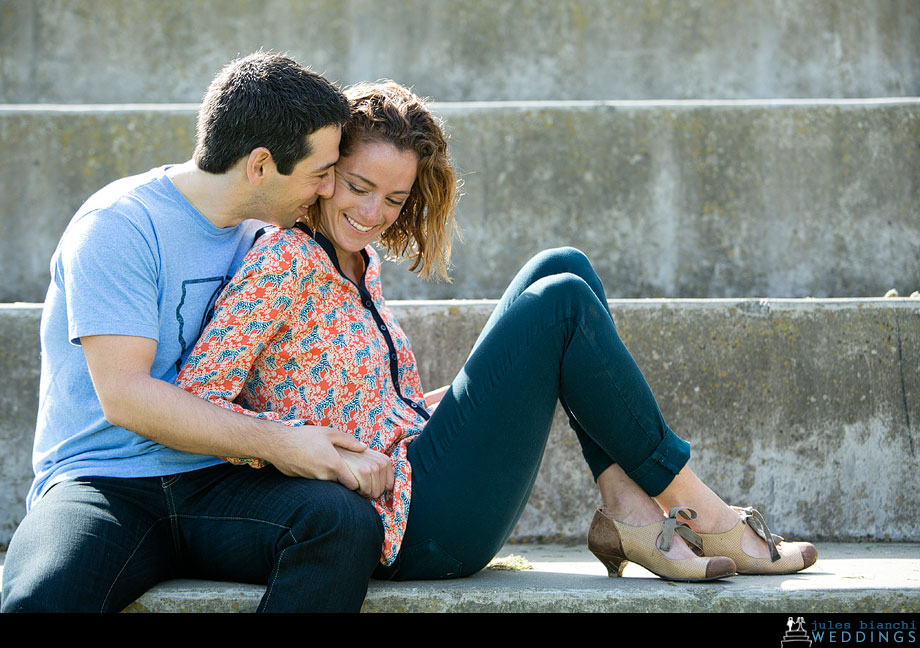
(195, 310)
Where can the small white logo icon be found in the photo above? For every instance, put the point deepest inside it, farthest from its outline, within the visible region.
(798, 637)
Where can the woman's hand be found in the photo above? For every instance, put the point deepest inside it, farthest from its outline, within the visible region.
(432, 398)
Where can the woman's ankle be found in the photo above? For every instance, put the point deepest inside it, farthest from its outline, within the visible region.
(632, 512)
(624, 501)
(713, 514)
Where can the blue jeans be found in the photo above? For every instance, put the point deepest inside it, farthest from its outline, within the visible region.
(550, 339)
(96, 544)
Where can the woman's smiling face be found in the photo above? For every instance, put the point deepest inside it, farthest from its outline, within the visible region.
(371, 186)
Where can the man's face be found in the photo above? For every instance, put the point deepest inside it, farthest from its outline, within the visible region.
(287, 197)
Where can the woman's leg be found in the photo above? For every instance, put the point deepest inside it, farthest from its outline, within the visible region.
(625, 495)
(474, 466)
(620, 495)
(557, 261)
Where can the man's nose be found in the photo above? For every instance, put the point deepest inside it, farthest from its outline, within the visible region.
(327, 188)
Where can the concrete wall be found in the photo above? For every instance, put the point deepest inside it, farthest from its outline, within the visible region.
(806, 409)
(670, 199)
(112, 51)
(20, 365)
(693, 199)
(61, 157)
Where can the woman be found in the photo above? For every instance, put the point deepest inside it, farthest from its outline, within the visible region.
(303, 334)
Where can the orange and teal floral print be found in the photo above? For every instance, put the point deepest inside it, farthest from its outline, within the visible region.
(294, 341)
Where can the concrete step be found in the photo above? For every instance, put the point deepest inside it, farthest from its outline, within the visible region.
(858, 577)
(805, 409)
(671, 199)
(456, 50)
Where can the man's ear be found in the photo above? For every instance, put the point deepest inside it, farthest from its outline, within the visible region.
(259, 165)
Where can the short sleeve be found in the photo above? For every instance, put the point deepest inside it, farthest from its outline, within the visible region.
(108, 270)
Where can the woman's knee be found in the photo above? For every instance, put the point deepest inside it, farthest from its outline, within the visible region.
(567, 260)
(568, 297)
(562, 259)
(565, 288)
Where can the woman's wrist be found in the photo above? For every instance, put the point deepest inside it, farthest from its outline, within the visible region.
(432, 398)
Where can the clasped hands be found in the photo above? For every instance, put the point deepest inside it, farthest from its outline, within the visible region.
(326, 453)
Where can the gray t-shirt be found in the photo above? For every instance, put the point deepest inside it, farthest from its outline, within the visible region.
(137, 259)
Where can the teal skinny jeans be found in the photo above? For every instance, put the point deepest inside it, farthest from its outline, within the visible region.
(551, 338)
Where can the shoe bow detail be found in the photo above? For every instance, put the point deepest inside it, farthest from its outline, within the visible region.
(672, 525)
(752, 517)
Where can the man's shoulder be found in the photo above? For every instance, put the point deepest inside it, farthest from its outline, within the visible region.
(140, 187)
(130, 201)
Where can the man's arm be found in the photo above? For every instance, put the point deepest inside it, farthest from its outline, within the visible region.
(131, 398)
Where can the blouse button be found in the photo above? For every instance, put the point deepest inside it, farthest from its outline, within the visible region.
(383, 327)
(367, 304)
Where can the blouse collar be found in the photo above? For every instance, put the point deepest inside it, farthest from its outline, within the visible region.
(326, 244)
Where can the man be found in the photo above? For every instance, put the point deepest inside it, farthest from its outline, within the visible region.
(128, 489)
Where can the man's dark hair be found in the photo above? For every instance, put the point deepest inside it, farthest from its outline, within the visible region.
(268, 100)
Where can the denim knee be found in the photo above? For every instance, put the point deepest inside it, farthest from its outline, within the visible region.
(561, 260)
(571, 291)
(566, 260)
(70, 551)
(335, 544)
(345, 517)
(563, 257)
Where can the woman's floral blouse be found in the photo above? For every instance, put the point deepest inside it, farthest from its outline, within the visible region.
(293, 340)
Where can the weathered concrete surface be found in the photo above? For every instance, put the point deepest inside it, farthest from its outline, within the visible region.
(669, 199)
(865, 578)
(20, 365)
(691, 199)
(63, 156)
(806, 409)
(846, 578)
(457, 50)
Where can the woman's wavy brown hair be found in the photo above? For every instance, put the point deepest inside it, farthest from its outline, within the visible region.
(388, 112)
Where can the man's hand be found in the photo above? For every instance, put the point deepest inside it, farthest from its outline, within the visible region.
(372, 469)
(325, 453)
